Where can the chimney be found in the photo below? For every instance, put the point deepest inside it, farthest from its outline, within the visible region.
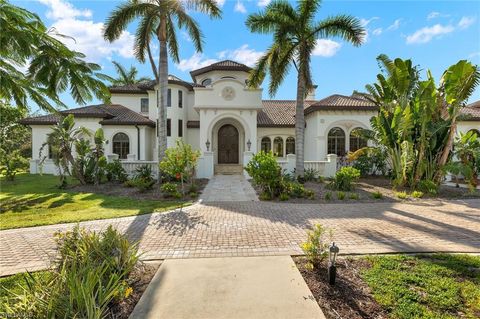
(311, 94)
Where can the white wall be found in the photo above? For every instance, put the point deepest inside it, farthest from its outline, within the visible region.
(132, 101)
(465, 126)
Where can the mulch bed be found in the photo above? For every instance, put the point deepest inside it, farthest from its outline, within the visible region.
(117, 189)
(350, 297)
(141, 277)
(366, 186)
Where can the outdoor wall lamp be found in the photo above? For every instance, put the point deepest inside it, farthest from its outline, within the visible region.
(249, 144)
(332, 269)
(207, 144)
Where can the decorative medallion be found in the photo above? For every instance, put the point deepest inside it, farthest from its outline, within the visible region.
(228, 93)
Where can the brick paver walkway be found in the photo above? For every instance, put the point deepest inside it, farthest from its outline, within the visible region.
(263, 228)
(228, 188)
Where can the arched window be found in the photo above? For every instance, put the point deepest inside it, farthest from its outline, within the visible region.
(278, 146)
(290, 145)
(121, 145)
(206, 82)
(356, 142)
(266, 144)
(336, 141)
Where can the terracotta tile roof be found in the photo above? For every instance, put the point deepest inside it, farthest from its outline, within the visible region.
(113, 114)
(470, 112)
(341, 102)
(225, 65)
(278, 113)
(143, 87)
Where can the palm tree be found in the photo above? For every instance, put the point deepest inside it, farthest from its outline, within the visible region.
(51, 68)
(295, 34)
(124, 76)
(159, 18)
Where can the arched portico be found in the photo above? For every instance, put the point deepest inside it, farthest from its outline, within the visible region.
(228, 141)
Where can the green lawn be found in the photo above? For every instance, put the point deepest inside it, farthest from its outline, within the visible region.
(33, 200)
(426, 286)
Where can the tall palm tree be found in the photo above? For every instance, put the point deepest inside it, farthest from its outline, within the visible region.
(159, 19)
(124, 76)
(295, 34)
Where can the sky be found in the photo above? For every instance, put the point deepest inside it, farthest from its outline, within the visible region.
(434, 34)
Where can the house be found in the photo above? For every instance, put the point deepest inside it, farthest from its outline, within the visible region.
(227, 121)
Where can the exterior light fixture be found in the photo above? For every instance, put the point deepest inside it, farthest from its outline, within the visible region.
(249, 144)
(332, 269)
(207, 144)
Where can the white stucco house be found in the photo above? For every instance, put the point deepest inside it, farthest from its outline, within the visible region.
(227, 121)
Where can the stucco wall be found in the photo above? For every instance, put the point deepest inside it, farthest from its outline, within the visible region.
(466, 126)
(132, 101)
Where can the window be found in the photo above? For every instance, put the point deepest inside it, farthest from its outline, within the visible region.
(180, 128)
(290, 145)
(169, 97)
(121, 145)
(169, 127)
(206, 82)
(144, 105)
(266, 144)
(180, 99)
(278, 146)
(336, 141)
(356, 142)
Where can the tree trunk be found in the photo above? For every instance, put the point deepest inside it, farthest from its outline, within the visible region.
(300, 126)
(163, 87)
(446, 151)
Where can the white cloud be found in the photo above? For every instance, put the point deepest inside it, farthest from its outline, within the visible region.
(220, 3)
(85, 35)
(59, 9)
(243, 55)
(426, 34)
(263, 3)
(239, 7)
(326, 48)
(377, 31)
(196, 61)
(465, 22)
(435, 14)
(365, 22)
(395, 25)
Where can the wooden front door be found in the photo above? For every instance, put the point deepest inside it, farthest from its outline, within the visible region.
(228, 145)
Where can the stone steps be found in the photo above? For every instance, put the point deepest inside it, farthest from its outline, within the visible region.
(228, 169)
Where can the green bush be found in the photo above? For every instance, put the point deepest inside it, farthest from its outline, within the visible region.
(309, 194)
(170, 190)
(316, 246)
(143, 179)
(417, 194)
(344, 178)
(401, 195)
(266, 173)
(377, 195)
(143, 185)
(369, 161)
(265, 196)
(341, 195)
(284, 197)
(92, 275)
(115, 172)
(328, 196)
(354, 196)
(11, 164)
(428, 187)
(311, 175)
(297, 190)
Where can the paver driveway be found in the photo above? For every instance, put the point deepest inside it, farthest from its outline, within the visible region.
(264, 228)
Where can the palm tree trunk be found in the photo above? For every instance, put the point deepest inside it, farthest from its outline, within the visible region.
(163, 86)
(300, 125)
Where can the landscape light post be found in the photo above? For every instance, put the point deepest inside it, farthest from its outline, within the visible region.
(332, 269)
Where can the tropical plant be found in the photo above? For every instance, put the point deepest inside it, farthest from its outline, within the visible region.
(369, 160)
(170, 189)
(90, 162)
(11, 164)
(124, 76)
(295, 34)
(466, 160)
(61, 141)
(180, 162)
(265, 171)
(14, 136)
(316, 246)
(417, 118)
(143, 178)
(344, 178)
(115, 172)
(159, 19)
(52, 68)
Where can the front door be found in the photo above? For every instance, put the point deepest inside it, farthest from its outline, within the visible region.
(228, 145)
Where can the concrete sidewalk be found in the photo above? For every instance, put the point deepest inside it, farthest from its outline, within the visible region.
(234, 288)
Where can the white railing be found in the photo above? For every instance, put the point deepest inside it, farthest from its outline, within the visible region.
(283, 165)
(131, 166)
(325, 168)
(316, 166)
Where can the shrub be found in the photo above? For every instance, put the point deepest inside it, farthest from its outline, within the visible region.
(344, 178)
(311, 175)
(265, 196)
(284, 197)
(369, 161)
(328, 195)
(377, 195)
(316, 246)
(354, 196)
(91, 276)
(309, 194)
(296, 190)
(143, 185)
(115, 172)
(266, 173)
(428, 187)
(341, 195)
(11, 164)
(417, 194)
(401, 195)
(143, 179)
(170, 190)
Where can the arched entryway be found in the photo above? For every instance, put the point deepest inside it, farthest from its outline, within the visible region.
(228, 145)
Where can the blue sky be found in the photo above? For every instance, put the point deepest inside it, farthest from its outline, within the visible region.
(434, 34)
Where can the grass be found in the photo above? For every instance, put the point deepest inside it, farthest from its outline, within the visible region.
(426, 286)
(34, 200)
